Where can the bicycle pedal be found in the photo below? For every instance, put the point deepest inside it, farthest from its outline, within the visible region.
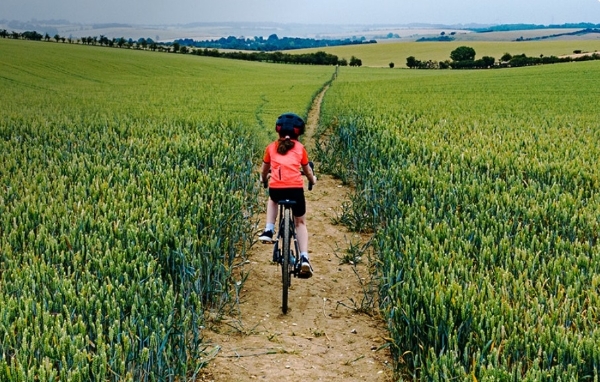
(305, 271)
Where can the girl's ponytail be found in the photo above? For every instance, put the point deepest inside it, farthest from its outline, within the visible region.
(284, 145)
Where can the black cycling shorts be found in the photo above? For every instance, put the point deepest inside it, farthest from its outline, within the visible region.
(297, 194)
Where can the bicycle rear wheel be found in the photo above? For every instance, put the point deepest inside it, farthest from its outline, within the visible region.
(285, 265)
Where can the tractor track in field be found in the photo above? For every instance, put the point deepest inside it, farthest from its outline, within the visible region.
(325, 336)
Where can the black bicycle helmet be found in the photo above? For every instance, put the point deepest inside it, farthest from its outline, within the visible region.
(289, 124)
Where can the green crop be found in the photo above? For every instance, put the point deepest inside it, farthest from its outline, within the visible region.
(128, 181)
(482, 193)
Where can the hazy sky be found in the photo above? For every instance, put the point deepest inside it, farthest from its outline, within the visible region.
(305, 11)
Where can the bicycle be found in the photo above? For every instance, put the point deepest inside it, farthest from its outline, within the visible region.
(284, 253)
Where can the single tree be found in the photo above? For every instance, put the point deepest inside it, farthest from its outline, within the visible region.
(104, 40)
(463, 53)
(488, 61)
(412, 62)
(355, 61)
(506, 57)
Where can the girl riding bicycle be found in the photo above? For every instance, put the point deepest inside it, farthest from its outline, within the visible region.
(283, 158)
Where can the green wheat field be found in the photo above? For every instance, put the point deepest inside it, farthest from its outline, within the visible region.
(128, 194)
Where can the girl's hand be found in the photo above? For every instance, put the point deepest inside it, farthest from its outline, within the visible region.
(265, 181)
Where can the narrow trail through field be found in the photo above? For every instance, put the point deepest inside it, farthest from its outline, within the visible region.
(322, 337)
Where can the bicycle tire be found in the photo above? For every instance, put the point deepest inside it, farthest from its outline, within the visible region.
(285, 264)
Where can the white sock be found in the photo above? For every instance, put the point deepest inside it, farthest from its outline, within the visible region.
(304, 254)
(270, 227)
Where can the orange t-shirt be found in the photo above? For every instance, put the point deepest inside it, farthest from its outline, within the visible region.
(285, 169)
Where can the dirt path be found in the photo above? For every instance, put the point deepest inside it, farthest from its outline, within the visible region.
(322, 338)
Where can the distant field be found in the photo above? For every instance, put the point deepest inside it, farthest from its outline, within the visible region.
(381, 54)
(161, 86)
(513, 35)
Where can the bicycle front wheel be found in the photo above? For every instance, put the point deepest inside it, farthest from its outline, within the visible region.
(285, 252)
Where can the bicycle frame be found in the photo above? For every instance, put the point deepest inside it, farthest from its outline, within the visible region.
(286, 251)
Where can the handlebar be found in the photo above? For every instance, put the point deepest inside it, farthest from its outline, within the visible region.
(310, 185)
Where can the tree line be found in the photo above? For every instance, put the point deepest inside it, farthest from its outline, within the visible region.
(576, 33)
(318, 58)
(89, 40)
(518, 27)
(463, 57)
(270, 44)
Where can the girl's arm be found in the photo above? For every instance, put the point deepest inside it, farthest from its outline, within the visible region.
(309, 174)
(264, 172)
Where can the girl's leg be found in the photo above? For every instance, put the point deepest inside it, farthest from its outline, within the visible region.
(267, 235)
(301, 233)
(306, 270)
(271, 212)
